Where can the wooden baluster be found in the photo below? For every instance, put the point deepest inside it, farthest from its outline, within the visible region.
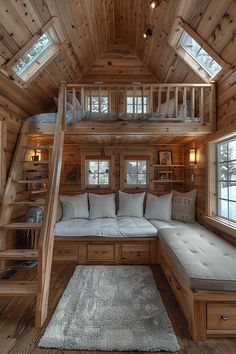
(109, 100)
(176, 102)
(99, 101)
(82, 101)
(168, 101)
(74, 113)
(193, 104)
(212, 107)
(159, 102)
(201, 105)
(185, 102)
(142, 101)
(133, 102)
(90, 98)
(125, 101)
(151, 100)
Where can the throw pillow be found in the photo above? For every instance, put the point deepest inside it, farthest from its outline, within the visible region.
(183, 206)
(158, 207)
(131, 204)
(75, 207)
(102, 206)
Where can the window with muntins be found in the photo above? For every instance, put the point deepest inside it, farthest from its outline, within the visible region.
(226, 179)
(134, 104)
(97, 173)
(195, 50)
(136, 173)
(95, 104)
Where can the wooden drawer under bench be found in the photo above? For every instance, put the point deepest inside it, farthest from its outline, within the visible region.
(104, 250)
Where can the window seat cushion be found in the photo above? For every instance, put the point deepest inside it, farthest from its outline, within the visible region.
(107, 227)
(204, 259)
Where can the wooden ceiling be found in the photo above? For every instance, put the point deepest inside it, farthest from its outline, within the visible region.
(105, 41)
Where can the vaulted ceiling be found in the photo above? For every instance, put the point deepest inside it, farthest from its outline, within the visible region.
(104, 41)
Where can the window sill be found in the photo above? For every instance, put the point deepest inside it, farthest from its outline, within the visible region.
(221, 224)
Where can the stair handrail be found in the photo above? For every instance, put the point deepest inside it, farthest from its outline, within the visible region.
(46, 237)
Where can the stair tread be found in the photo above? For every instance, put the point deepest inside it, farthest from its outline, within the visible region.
(42, 180)
(36, 162)
(37, 147)
(22, 225)
(18, 288)
(38, 191)
(21, 254)
(31, 203)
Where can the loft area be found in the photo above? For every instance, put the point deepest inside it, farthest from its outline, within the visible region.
(118, 175)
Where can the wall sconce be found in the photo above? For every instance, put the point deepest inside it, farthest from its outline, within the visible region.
(192, 156)
(36, 156)
(148, 33)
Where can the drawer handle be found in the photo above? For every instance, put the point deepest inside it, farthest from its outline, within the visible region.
(223, 318)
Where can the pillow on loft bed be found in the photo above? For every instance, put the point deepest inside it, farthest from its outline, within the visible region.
(183, 206)
(102, 206)
(69, 99)
(158, 207)
(172, 109)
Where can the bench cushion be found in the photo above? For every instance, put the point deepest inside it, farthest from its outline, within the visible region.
(205, 260)
(107, 227)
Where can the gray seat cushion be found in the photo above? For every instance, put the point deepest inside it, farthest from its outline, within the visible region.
(205, 260)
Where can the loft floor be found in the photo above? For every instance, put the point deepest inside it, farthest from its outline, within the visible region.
(18, 335)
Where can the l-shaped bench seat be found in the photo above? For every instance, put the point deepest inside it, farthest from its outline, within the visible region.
(199, 265)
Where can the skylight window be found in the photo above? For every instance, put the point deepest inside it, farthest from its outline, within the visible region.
(32, 54)
(199, 54)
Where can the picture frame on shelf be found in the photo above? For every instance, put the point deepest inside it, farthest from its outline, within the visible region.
(165, 157)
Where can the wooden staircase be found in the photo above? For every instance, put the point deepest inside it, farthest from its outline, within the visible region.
(45, 231)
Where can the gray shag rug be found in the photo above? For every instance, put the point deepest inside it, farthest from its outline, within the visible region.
(111, 308)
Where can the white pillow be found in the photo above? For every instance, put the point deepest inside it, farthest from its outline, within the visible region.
(69, 98)
(102, 206)
(75, 207)
(131, 204)
(158, 207)
(69, 107)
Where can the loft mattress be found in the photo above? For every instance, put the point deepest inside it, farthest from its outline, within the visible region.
(205, 260)
(106, 227)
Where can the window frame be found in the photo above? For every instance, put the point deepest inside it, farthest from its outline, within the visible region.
(134, 104)
(212, 217)
(102, 186)
(179, 27)
(36, 67)
(97, 95)
(137, 185)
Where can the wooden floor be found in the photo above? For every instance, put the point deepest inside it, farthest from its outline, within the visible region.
(18, 335)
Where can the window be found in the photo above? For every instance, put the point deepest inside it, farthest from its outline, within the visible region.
(196, 52)
(32, 58)
(134, 104)
(97, 173)
(32, 54)
(136, 173)
(95, 104)
(199, 54)
(226, 179)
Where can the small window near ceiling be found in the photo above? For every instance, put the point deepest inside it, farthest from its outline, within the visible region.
(196, 51)
(136, 173)
(134, 104)
(226, 179)
(97, 173)
(93, 104)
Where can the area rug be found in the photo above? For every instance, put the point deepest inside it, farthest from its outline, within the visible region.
(111, 308)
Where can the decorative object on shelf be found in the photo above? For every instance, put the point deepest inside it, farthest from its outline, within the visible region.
(164, 175)
(165, 157)
(192, 156)
(36, 156)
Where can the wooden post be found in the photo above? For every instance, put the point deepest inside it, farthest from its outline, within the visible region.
(193, 104)
(151, 100)
(3, 159)
(82, 101)
(74, 105)
(159, 102)
(142, 101)
(201, 104)
(168, 101)
(185, 102)
(109, 100)
(176, 102)
(99, 101)
(212, 107)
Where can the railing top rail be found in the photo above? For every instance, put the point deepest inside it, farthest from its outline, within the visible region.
(136, 85)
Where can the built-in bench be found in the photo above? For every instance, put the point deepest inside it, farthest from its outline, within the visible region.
(201, 270)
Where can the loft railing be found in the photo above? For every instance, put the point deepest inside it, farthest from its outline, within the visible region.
(188, 103)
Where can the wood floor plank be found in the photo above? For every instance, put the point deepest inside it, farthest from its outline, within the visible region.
(18, 336)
